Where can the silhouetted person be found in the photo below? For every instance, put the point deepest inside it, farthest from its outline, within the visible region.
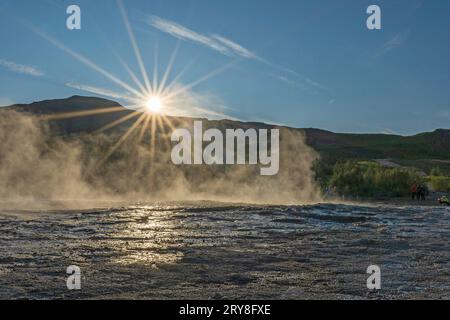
(420, 193)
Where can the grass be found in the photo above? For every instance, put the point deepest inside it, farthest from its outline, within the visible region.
(370, 179)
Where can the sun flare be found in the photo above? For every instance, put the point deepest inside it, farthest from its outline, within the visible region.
(151, 101)
(154, 104)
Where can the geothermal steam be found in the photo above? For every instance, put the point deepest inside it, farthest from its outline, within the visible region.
(37, 164)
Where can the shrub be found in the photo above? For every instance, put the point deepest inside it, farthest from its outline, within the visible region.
(436, 172)
(440, 183)
(369, 179)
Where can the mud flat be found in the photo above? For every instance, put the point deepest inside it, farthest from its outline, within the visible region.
(221, 251)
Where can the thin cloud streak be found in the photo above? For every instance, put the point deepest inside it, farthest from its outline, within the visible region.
(395, 42)
(230, 48)
(183, 33)
(236, 48)
(20, 68)
(215, 42)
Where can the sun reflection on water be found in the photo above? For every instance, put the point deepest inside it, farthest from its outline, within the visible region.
(147, 237)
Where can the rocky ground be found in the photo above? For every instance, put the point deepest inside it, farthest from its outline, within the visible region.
(220, 251)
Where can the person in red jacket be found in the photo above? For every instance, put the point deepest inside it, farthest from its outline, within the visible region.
(414, 191)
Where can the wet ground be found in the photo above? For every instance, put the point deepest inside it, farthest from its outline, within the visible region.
(219, 251)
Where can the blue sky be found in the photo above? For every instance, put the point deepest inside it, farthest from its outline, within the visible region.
(299, 63)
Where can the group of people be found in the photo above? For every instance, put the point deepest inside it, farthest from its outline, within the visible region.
(419, 191)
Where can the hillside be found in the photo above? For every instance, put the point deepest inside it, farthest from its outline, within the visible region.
(87, 123)
(428, 145)
(434, 144)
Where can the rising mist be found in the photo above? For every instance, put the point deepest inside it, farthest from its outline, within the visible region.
(36, 164)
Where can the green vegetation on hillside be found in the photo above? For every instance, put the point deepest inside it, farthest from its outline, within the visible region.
(339, 146)
(441, 183)
(369, 179)
(429, 166)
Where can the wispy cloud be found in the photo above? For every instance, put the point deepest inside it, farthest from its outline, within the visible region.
(20, 68)
(236, 48)
(215, 42)
(293, 83)
(231, 48)
(393, 43)
(315, 84)
(305, 84)
(181, 32)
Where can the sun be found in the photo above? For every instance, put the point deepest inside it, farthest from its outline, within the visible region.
(154, 104)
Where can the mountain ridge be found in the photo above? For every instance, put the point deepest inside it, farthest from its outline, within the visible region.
(434, 144)
(88, 102)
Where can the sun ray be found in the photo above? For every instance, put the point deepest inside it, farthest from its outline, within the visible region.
(168, 122)
(169, 87)
(79, 114)
(131, 73)
(202, 79)
(169, 68)
(117, 122)
(164, 131)
(119, 58)
(86, 61)
(155, 69)
(144, 127)
(153, 138)
(120, 141)
(135, 45)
